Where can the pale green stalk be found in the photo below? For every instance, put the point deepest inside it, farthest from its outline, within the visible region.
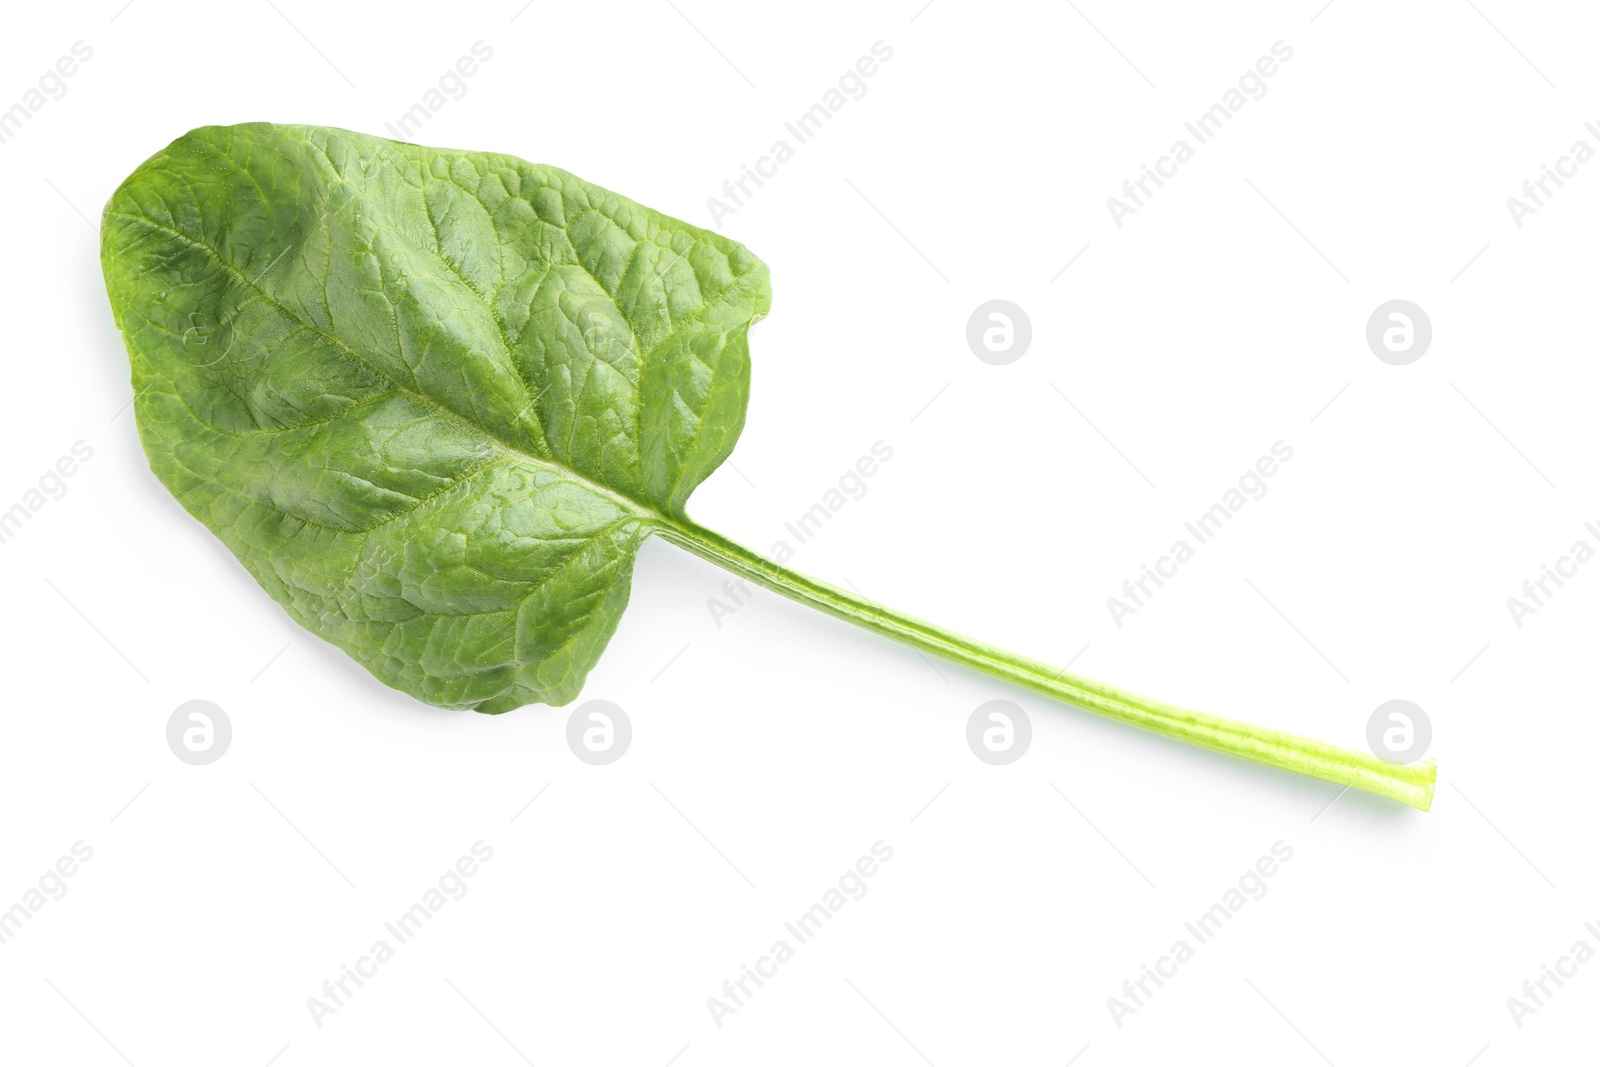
(1408, 783)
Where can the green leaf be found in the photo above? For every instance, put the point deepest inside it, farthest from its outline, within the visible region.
(432, 400)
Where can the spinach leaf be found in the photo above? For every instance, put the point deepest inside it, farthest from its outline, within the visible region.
(434, 400)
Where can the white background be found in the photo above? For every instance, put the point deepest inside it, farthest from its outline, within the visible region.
(1227, 314)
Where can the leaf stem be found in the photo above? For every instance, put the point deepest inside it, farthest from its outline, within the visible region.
(1408, 783)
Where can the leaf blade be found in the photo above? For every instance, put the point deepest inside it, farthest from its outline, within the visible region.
(432, 400)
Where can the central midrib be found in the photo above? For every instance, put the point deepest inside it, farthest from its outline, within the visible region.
(639, 508)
